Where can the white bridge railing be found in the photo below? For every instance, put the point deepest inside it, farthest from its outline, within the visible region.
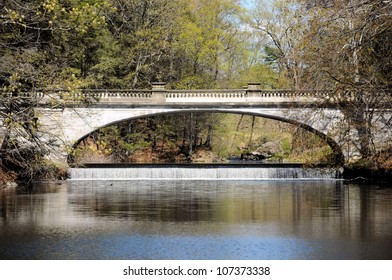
(159, 95)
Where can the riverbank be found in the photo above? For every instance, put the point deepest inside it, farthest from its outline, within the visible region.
(46, 172)
(7, 179)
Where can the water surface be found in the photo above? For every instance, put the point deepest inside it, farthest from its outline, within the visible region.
(197, 220)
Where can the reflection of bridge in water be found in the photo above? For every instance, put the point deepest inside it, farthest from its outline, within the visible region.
(315, 111)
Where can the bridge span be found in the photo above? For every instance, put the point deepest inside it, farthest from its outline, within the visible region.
(70, 121)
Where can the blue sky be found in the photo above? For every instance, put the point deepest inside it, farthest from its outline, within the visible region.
(247, 3)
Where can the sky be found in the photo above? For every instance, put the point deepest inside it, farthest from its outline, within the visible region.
(252, 3)
(247, 3)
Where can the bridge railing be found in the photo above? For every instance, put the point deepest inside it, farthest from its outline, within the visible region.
(117, 93)
(252, 94)
(203, 96)
(173, 94)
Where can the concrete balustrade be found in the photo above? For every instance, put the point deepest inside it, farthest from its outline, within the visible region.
(252, 94)
(159, 95)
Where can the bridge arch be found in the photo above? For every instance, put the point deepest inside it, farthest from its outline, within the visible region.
(336, 149)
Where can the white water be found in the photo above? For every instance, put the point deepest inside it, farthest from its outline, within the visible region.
(203, 173)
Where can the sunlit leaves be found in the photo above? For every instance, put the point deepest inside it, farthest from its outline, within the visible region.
(210, 37)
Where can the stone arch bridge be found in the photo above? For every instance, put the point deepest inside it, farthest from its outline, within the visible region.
(312, 110)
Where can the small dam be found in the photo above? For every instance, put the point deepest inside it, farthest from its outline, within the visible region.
(272, 171)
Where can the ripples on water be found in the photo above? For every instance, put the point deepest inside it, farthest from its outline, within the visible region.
(197, 220)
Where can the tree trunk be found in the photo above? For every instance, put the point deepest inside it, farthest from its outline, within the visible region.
(209, 137)
(190, 135)
(251, 131)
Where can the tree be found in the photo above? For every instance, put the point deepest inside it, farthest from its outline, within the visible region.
(36, 56)
(141, 36)
(210, 36)
(280, 26)
(348, 50)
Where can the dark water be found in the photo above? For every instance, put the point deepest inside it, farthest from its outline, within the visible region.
(197, 220)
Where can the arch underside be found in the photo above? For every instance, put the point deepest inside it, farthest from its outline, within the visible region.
(337, 151)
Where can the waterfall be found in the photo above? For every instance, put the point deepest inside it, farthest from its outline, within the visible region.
(203, 172)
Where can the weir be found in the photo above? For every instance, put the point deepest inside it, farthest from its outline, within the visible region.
(203, 172)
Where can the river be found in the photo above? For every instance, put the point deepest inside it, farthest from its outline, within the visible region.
(197, 219)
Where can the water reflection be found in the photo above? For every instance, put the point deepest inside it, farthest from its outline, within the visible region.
(211, 219)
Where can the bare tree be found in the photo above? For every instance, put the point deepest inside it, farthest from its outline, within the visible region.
(348, 49)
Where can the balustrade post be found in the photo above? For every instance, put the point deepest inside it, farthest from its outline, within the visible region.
(254, 89)
(158, 93)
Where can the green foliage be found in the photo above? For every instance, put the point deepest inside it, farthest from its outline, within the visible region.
(109, 142)
(124, 43)
(267, 77)
(286, 146)
(209, 36)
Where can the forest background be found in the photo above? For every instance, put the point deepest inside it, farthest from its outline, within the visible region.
(344, 46)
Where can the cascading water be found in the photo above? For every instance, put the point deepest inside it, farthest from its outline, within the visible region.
(203, 172)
